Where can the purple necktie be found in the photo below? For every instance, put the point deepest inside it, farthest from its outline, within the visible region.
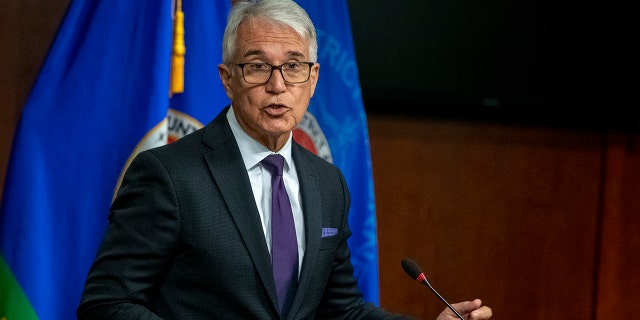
(284, 245)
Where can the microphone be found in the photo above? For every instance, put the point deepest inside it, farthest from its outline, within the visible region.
(415, 272)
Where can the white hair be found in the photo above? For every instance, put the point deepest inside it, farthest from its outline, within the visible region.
(284, 13)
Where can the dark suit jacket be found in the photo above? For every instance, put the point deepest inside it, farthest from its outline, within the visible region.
(185, 240)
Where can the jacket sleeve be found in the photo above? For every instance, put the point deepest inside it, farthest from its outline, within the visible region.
(137, 247)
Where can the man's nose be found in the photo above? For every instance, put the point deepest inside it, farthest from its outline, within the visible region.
(276, 82)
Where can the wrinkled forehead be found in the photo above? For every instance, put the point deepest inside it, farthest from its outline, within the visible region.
(257, 37)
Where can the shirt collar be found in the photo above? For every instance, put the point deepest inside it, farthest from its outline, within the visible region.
(252, 151)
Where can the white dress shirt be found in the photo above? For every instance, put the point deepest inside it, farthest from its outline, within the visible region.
(252, 153)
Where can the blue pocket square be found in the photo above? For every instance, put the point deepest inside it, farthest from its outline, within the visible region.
(328, 232)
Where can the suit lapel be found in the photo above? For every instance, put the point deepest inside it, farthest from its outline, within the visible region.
(311, 207)
(229, 174)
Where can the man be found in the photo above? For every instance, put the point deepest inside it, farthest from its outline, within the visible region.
(190, 233)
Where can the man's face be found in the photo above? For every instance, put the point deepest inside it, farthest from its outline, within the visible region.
(268, 112)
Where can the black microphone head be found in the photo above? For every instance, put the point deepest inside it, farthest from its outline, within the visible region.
(414, 271)
(411, 268)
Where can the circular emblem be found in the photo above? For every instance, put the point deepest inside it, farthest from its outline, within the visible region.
(309, 134)
(180, 124)
(175, 126)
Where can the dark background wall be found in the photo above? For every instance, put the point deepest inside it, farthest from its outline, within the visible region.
(537, 215)
(558, 62)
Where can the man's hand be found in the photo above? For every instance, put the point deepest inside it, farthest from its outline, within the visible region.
(470, 310)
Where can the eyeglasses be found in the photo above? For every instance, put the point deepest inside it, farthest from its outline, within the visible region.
(260, 73)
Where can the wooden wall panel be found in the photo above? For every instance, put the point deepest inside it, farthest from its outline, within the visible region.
(505, 213)
(619, 264)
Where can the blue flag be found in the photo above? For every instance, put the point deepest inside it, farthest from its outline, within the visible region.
(336, 123)
(101, 96)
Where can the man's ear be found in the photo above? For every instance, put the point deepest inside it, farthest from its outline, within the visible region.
(225, 76)
(315, 73)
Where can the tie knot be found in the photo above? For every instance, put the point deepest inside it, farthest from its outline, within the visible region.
(274, 163)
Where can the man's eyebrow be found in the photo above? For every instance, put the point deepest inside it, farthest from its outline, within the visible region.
(295, 54)
(253, 52)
